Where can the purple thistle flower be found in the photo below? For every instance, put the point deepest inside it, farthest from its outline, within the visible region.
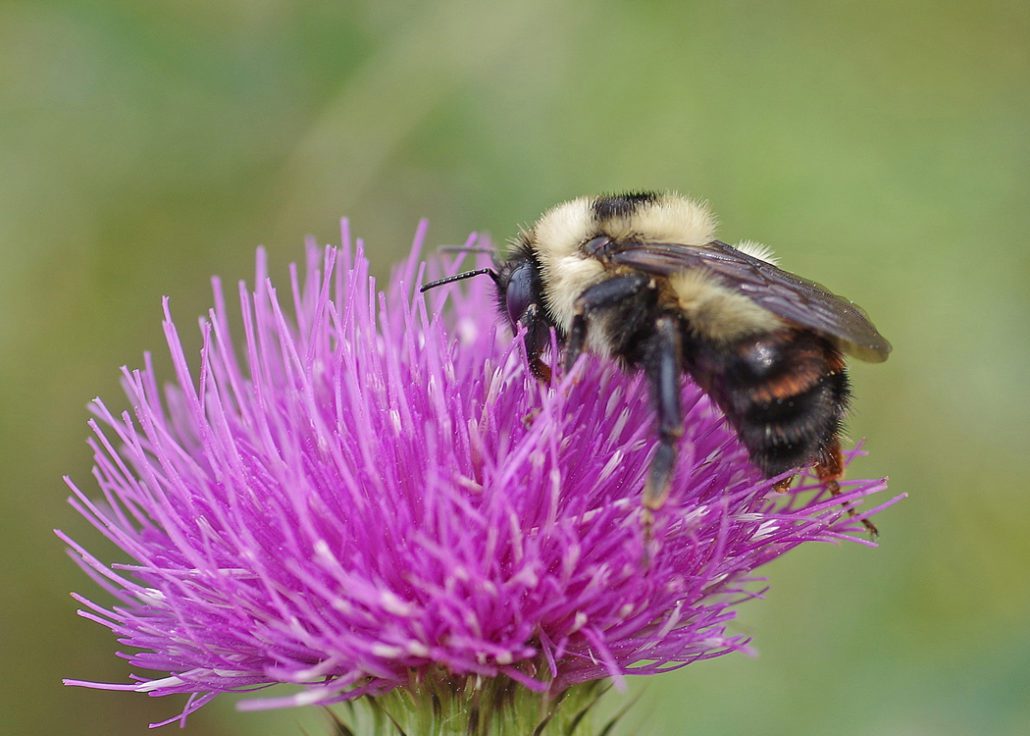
(376, 489)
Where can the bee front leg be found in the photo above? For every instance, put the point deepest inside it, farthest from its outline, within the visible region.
(537, 334)
(595, 299)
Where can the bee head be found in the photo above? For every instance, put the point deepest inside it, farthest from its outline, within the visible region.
(518, 286)
(517, 280)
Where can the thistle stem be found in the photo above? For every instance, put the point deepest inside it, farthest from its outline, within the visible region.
(474, 706)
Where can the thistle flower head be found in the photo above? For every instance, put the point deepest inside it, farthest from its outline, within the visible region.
(369, 490)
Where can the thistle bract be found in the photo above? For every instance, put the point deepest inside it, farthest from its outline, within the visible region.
(361, 490)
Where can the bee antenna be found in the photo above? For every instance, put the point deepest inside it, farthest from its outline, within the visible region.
(466, 249)
(467, 275)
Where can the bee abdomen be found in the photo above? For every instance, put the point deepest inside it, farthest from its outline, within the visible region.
(784, 392)
(787, 432)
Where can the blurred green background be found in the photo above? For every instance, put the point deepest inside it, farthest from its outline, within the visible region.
(882, 148)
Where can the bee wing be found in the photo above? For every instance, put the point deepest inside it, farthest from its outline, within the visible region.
(788, 296)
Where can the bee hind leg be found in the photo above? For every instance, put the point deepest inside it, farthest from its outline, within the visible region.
(829, 468)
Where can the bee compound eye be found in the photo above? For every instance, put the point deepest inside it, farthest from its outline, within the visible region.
(520, 293)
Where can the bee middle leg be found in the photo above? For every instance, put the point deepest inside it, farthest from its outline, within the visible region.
(663, 367)
(783, 486)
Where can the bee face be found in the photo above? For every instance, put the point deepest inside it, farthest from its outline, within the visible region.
(640, 277)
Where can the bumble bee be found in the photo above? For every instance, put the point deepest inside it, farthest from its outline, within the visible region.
(640, 277)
